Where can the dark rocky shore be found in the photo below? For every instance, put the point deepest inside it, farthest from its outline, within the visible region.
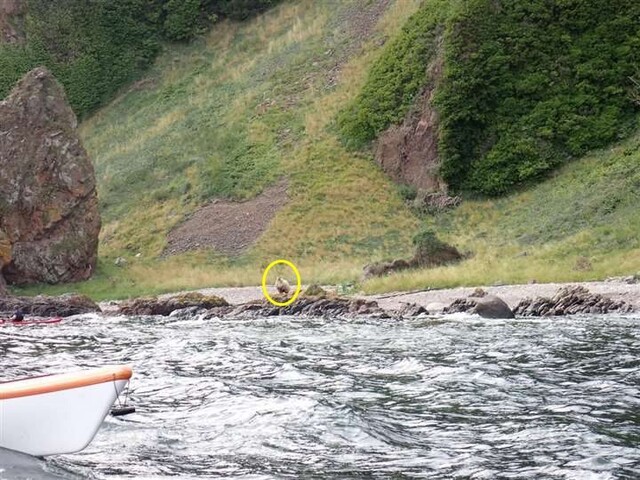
(567, 300)
(41, 306)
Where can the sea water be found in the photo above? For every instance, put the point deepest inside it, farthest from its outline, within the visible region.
(438, 398)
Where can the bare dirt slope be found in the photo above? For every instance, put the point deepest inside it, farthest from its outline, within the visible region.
(228, 227)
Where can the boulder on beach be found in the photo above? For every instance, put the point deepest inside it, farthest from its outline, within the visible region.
(490, 306)
(483, 304)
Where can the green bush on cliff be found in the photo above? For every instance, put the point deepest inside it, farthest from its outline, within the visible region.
(529, 85)
(15, 61)
(92, 47)
(526, 85)
(239, 9)
(396, 78)
(182, 19)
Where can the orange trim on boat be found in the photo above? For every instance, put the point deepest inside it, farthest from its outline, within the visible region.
(64, 381)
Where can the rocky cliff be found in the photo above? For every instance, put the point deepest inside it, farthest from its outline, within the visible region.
(11, 21)
(49, 219)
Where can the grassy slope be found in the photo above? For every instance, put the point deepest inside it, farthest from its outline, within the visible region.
(227, 116)
(232, 112)
(581, 224)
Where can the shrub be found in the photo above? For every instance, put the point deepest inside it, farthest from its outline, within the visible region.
(407, 192)
(395, 79)
(529, 85)
(526, 85)
(182, 19)
(240, 9)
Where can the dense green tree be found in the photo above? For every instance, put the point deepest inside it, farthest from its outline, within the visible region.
(531, 84)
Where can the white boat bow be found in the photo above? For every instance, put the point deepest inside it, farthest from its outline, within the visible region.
(58, 414)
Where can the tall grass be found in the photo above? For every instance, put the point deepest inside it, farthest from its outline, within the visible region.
(227, 116)
(582, 224)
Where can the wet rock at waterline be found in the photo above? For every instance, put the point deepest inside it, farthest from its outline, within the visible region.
(42, 306)
(49, 217)
(491, 306)
(570, 301)
(166, 306)
(411, 310)
(305, 306)
(312, 307)
(487, 306)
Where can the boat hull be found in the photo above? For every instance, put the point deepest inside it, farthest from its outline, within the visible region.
(58, 414)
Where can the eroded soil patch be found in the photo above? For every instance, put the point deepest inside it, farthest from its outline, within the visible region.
(228, 227)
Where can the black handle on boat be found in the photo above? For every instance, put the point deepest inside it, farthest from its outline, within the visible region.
(122, 411)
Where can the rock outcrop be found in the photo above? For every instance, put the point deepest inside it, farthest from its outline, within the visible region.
(12, 21)
(324, 304)
(166, 306)
(434, 202)
(42, 306)
(5, 258)
(571, 301)
(48, 204)
(483, 304)
(380, 269)
(430, 252)
(310, 307)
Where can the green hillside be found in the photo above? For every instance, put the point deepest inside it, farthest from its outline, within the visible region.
(299, 93)
(230, 114)
(581, 224)
(526, 86)
(96, 47)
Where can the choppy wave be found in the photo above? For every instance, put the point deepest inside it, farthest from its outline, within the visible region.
(319, 398)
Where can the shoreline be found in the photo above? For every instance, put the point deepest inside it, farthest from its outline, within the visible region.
(434, 301)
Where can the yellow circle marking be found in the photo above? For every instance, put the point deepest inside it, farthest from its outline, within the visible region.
(298, 283)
